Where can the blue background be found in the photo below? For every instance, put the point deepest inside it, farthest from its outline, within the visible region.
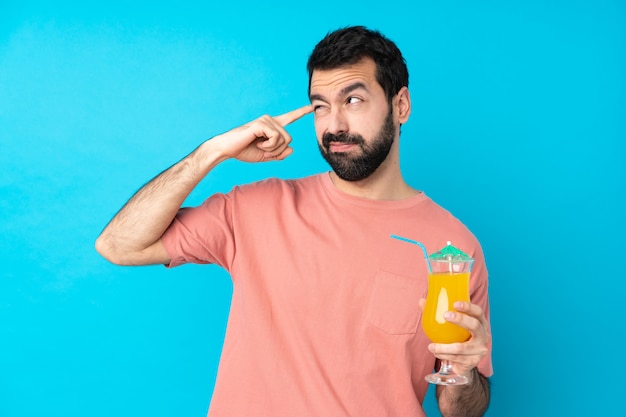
(524, 102)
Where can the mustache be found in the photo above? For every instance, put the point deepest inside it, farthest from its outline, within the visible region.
(327, 138)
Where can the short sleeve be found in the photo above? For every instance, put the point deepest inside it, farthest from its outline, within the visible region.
(202, 234)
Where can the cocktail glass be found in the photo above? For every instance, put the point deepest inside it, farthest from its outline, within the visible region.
(448, 282)
(449, 272)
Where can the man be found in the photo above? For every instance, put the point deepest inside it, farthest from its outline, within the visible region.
(325, 314)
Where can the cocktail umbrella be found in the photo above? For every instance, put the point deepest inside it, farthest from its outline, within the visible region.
(449, 253)
(453, 256)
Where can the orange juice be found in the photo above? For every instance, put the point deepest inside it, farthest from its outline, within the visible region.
(444, 289)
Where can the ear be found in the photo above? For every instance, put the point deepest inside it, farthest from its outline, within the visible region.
(402, 103)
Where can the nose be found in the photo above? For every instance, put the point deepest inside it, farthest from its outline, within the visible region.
(337, 122)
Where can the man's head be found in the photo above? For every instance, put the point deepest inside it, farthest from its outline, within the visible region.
(358, 89)
(350, 45)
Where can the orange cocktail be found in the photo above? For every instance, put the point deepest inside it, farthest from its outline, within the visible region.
(449, 271)
(444, 289)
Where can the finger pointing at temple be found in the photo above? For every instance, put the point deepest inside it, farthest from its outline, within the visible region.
(292, 116)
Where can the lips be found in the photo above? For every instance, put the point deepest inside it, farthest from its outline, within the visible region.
(340, 146)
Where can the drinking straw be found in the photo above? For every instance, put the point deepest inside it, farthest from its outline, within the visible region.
(449, 257)
(415, 242)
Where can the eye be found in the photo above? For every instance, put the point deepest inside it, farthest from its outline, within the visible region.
(319, 108)
(353, 100)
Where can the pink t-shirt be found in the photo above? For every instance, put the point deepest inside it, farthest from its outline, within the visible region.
(324, 318)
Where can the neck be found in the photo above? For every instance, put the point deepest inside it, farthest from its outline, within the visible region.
(383, 184)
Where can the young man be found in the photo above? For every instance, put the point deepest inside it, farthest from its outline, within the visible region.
(325, 312)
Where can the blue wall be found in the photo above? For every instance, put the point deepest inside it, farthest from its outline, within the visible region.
(95, 100)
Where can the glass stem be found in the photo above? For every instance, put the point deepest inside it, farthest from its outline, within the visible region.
(446, 368)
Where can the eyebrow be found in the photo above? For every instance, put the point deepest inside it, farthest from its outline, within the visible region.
(344, 91)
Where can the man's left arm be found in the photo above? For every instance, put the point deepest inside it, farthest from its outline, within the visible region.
(469, 400)
(472, 399)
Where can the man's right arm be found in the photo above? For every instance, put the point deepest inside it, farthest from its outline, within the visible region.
(133, 236)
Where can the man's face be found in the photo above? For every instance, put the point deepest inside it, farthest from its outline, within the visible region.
(354, 122)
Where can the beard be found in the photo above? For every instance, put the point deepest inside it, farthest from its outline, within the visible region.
(357, 167)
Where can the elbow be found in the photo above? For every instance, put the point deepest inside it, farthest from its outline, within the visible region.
(119, 254)
(107, 250)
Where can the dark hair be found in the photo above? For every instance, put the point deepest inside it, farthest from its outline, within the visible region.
(349, 45)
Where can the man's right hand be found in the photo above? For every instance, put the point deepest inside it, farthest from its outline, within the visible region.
(263, 139)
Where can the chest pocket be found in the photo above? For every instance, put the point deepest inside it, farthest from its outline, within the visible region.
(393, 305)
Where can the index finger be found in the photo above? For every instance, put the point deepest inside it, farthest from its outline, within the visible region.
(292, 116)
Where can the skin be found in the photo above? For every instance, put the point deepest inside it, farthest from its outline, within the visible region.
(347, 99)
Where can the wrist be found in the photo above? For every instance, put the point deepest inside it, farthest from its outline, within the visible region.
(207, 156)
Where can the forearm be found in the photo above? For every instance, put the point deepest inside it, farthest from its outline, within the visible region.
(145, 217)
(470, 400)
